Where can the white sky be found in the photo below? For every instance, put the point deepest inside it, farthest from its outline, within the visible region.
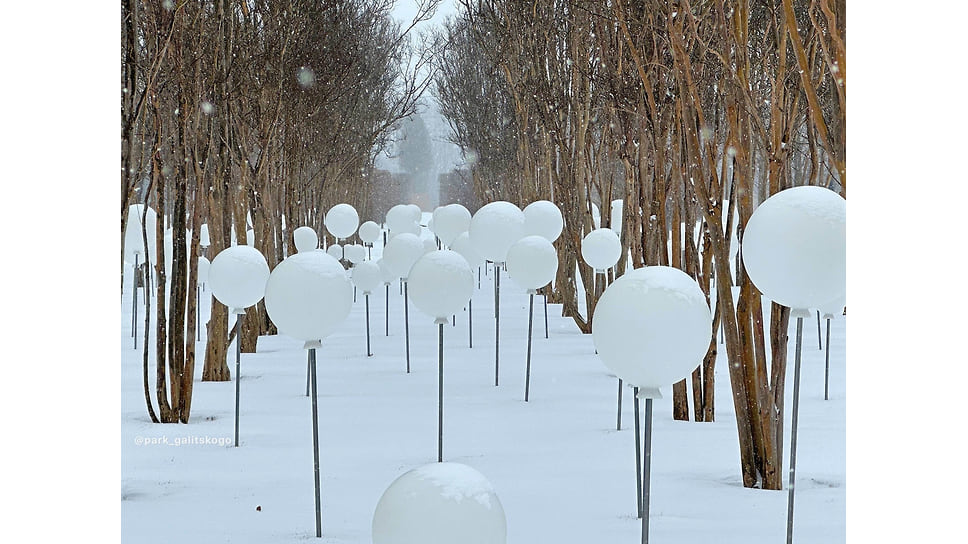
(405, 10)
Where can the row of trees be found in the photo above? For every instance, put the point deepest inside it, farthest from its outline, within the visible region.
(690, 112)
(246, 116)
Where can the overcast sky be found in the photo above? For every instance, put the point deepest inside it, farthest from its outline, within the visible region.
(405, 10)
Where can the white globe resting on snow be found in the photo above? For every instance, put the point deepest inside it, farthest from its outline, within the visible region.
(652, 327)
(335, 251)
(601, 249)
(795, 247)
(237, 277)
(450, 221)
(367, 277)
(440, 283)
(440, 503)
(342, 220)
(532, 262)
(354, 253)
(462, 244)
(402, 252)
(494, 228)
(305, 239)
(543, 218)
(369, 232)
(308, 296)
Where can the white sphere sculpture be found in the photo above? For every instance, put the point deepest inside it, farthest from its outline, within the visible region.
(133, 238)
(367, 276)
(601, 249)
(238, 277)
(543, 218)
(386, 272)
(308, 296)
(495, 227)
(440, 503)
(450, 221)
(369, 232)
(794, 247)
(335, 251)
(402, 252)
(305, 239)
(429, 244)
(441, 283)
(462, 244)
(399, 218)
(354, 253)
(652, 327)
(532, 262)
(415, 212)
(342, 220)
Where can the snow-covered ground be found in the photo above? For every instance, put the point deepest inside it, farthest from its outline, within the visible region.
(563, 473)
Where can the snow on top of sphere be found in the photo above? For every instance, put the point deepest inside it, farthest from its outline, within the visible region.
(342, 220)
(543, 218)
(440, 283)
(495, 227)
(601, 249)
(369, 232)
(532, 262)
(305, 239)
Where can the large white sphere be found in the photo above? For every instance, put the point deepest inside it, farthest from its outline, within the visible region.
(203, 238)
(305, 239)
(440, 503)
(342, 220)
(495, 227)
(795, 247)
(386, 272)
(440, 283)
(601, 249)
(399, 218)
(367, 277)
(133, 238)
(238, 276)
(402, 252)
(355, 253)
(532, 262)
(335, 251)
(543, 218)
(652, 327)
(462, 244)
(308, 295)
(369, 232)
(450, 221)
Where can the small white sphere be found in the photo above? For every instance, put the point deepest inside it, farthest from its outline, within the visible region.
(450, 221)
(308, 295)
(238, 276)
(342, 220)
(369, 232)
(440, 503)
(203, 267)
(652, 327)
(399, 218)
(794, 247)
(532, 262)
(305, 239)
(402, 252)
(354, 253)
(415, 212)
(335, 251)
(462, 244)
(543, 218)
(440, 283)
(495, 227)
(601, 249)
(366, 276)
(386, 273)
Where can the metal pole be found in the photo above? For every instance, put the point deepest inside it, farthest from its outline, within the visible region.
(309, 371)
(198, 319)
(826, 367)
(638, 452)
(319, 519)
(440, 394)
(470, 323)
(367, 296)
(647, 471)
(497, 320)
(793, 430)
(545, 297)
(387, 312)
(527, 379)
(406, 322)
(238, 366)
(618, 422)
(819, 340)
